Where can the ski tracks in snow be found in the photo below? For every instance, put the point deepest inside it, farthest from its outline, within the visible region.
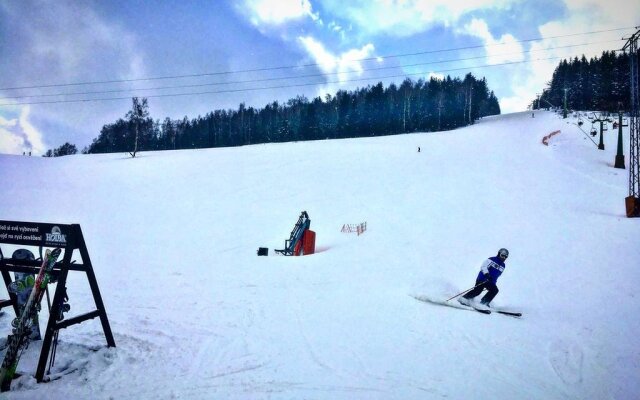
(567, 360)
(226, 350)
(221, 356)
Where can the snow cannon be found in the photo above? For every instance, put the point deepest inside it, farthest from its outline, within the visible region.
(302, 240)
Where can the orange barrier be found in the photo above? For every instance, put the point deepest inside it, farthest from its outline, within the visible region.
(545, 140)
(309, 242)
(306, 245)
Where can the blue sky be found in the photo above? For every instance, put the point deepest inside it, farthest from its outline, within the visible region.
(325, 45)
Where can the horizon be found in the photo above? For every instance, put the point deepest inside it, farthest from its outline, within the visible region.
(229, 50)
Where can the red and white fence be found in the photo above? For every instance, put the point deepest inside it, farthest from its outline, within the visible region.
(545, 140)
(354, 228)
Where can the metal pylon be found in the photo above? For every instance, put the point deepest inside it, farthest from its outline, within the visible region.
(634, 128)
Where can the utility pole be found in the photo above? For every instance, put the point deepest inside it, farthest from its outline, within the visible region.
(632, 202)
(620, 154)
(564, 113)
(602, 121)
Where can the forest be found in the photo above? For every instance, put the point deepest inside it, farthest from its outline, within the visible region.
(600, 83)
(413, 106)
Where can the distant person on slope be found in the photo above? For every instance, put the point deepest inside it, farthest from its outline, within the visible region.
(490, 271)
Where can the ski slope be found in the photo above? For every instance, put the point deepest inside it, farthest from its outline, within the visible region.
(197, 315)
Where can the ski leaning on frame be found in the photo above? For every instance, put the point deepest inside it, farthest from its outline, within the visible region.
(17, 342)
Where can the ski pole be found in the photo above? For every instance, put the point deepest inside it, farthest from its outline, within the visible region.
(468, 290)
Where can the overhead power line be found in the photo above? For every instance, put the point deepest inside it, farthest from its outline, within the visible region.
(302, 66)
(282, 86)
(299, 76)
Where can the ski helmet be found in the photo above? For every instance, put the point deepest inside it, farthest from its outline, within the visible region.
(503, 253)
(23, 254)
(23, 279)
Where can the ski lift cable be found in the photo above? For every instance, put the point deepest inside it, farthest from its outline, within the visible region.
(378, 78)
(305, 65)
(295, 77)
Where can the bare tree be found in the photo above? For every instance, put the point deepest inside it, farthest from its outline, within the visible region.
(138, 114)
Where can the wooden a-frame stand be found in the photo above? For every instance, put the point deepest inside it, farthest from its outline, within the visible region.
(69, 238)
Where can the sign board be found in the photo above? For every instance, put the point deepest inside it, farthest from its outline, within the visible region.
(34, 234)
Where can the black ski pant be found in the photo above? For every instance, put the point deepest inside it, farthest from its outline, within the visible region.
(481, 284)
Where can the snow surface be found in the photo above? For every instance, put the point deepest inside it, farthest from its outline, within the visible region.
(197, 315)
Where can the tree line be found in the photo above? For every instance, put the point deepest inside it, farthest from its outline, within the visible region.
(600, 83)
(413, 106)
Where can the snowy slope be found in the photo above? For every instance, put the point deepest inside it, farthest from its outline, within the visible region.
(197, 315)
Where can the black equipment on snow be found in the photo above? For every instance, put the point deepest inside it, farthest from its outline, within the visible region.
(293, 245)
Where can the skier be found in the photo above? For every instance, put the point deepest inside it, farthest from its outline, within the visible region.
(489, 273)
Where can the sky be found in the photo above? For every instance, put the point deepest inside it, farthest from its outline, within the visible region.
(67, 68)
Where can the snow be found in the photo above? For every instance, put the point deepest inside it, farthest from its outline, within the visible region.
(197, 315)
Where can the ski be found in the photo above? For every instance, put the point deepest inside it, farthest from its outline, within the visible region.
(55, 376)
(463, 307)
(19, 341)
(480, 310)
(445, 303)
(510, 313)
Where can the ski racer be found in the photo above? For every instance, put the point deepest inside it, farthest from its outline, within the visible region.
(490, 271)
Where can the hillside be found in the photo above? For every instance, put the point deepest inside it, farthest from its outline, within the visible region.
(196, 314)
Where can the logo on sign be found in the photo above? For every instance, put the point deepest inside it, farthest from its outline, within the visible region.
(56, 236)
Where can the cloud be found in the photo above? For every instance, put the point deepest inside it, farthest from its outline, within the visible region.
(406, 17)
(345, 66)
(17, 135)
(614, 13)
(64, 42)
(10, 143)
(277, 12)
(504, 49)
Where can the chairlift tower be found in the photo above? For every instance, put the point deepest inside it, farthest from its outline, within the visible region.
(632, 202)
(603, 121)
(619, 162)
